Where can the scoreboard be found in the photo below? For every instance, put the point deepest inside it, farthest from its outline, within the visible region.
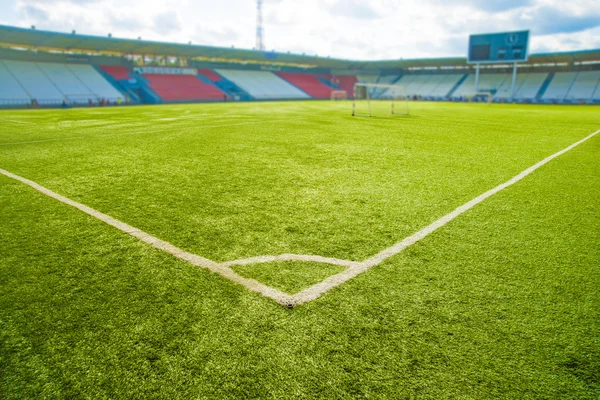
(505, 47)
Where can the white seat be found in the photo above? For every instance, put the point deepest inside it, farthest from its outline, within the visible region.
(263, 85)
(11, 91)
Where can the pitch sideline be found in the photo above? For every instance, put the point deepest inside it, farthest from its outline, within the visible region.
(354, 268)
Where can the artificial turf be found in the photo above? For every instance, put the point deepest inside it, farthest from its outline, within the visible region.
(501, 303)
(289, 276)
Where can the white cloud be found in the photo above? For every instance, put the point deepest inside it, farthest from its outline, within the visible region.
(352, 29)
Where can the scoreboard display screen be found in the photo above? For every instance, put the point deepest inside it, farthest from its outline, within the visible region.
(505, 47)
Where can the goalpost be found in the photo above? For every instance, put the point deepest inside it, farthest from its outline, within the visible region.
(339, 95)
(480, 97)
(378, 99)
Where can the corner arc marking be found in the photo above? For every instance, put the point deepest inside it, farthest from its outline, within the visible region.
(353, 268)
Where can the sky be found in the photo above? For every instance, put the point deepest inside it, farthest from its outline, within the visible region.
(348, 29)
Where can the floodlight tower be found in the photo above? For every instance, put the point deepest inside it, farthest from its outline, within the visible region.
(260, 44)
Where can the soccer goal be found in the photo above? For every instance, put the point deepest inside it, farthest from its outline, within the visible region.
(480, 97)
(379, 100)
(339, 95)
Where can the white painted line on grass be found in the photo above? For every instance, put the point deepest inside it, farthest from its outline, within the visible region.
(329, 283)
(42, 140)
(193, 259)
(17, 122)
(354, 268)
(292, 257)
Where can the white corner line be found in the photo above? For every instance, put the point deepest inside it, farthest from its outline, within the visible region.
(278, 296)
(329, 283)
(353, 268)
(292, 257)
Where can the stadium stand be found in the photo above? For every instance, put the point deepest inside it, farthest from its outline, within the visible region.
(414, 83)
(504, 91)
(560, 85)
(210, 74)
(383, 79)
(584, 85)
(55, 73)
(444, 86)
(367, 78)
(64, 80)
(51, 83)
(530, 85)
(487, 83)
(12, 92)
(418, 85)
(263, 85)
(116, 71)
(94, 82)
(79, 83)
(234, 91)
(35, 82)
(171, 87)
(388, 79)
(596, 95)
(346, 82)
(428, 86)
(309, 83)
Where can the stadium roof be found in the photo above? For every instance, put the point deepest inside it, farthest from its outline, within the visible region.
(14, 37)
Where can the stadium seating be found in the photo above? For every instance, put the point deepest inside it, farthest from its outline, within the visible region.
(51, 83)
(438, 86)
(309, 84)
(116, 71)
(413, 83)
(346, 82)
(79, 83)
(560, 85)
(584, 85)
(210, 74)
(367, 78)
(182, 87)
(388, 79)
(489, 82)
(417, 84)
(69, 85)
(383, 79)
(34, 82)
(430, 86)
(445, 84)
(504, 91)
(12, 92)
(263, 85)
(530, 85)
(94, 82)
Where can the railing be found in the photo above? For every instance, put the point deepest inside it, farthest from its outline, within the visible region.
(79, 102)
(14, 102)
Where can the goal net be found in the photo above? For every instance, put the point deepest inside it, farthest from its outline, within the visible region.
(379, 100)
(339, 95)
(480, 97)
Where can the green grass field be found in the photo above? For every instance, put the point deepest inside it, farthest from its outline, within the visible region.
(503, 302)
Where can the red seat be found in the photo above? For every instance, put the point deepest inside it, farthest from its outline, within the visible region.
(116, 71)
(210, 74)
(308, 83)
(182, 87)
(346, 83)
